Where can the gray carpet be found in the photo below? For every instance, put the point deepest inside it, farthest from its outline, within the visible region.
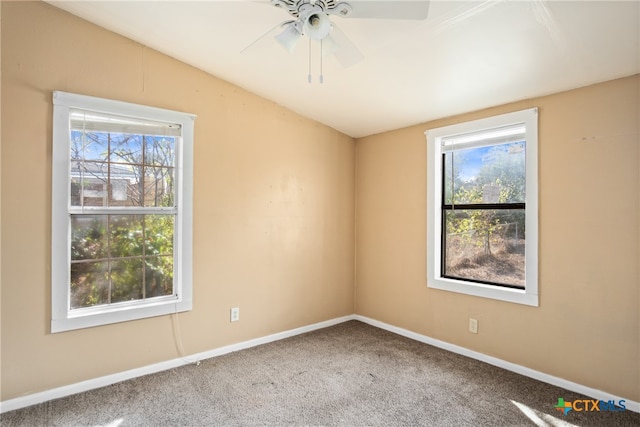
(351, 374)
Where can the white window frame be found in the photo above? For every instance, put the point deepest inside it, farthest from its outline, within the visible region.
(62, 317)
(435, 280)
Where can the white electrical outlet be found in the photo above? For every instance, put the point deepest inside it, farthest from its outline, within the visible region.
(235, 314)
(473, 326)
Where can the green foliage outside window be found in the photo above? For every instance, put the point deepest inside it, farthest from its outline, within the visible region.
(119, 258)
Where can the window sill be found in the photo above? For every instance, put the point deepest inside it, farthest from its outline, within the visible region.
(518, 296)
(90, 318)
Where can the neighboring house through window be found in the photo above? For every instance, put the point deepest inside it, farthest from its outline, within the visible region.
(121, 211)
(483, 207)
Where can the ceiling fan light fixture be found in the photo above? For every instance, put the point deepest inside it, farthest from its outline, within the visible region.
(289, 37)
(317, 25)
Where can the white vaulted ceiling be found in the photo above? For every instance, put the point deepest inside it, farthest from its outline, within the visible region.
(467, 55)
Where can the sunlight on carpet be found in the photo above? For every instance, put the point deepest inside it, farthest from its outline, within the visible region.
(541, 419)
(114, 423)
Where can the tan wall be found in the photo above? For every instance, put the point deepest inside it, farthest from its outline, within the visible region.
(273, 210)
(586, 329)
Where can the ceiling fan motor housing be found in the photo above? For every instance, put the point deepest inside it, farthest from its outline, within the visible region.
(296, 7)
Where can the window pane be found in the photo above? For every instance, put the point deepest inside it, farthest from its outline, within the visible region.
(89, 146)
(107, 169)
(126, 280)
(89, 284)
(126, 185)
(159, 235)
(159, 151)
(493, 174)
(88, 237)
(132, 244)
(76, 146)
(126, 148)
(88, 184)
(76, 185)
(126, 235)
(159, 276)
(158, 186)
(485, 245)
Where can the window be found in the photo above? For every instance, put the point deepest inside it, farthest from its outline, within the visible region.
(121, 211)
(483, 207)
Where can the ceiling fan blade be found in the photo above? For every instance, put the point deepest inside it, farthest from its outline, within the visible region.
(382, 9)
(344, 50)
(282, 24)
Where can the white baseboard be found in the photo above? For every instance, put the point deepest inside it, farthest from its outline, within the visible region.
(56, 393)
(518, 369)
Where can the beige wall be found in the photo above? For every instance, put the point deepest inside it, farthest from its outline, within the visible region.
(586, 329)
(273, 210)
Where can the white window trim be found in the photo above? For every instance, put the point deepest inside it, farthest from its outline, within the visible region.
(528, 296)
(64, 319)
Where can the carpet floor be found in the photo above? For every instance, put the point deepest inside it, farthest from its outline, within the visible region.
(351, 374)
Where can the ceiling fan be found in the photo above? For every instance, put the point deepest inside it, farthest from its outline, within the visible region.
(312, 19)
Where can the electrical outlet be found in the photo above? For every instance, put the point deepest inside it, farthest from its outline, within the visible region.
(473, 326)
(235, 314)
